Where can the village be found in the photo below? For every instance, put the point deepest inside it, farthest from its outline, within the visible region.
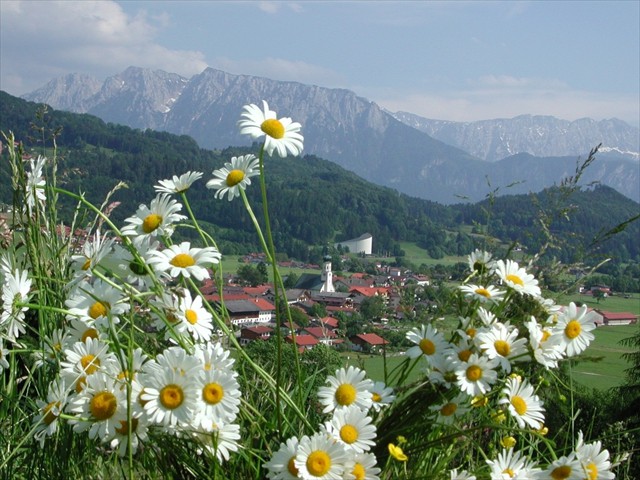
(321, 302)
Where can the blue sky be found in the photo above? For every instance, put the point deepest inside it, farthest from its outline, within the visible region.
(450, 60)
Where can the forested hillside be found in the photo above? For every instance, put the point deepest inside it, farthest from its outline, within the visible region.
(313, 202)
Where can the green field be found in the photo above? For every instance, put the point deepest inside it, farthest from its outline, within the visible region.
(603, 366)
(614, 303)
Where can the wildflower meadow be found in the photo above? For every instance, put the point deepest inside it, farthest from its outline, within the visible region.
(113, 365)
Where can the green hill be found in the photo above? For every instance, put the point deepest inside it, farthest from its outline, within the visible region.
(313, 202)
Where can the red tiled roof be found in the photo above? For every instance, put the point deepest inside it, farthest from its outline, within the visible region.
(263, 304)
(369, 291)
(371, 338)
(330, 321)
(320, 332)
(303, 340)
(260, 329)
(618, 315)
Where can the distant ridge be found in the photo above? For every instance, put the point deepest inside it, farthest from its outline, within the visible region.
(338, 125)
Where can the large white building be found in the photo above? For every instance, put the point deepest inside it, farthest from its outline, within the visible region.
(362, 244)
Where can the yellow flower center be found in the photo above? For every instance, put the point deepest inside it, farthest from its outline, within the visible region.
(171, 396)
(573, 329)
(318, 463)
(519, 404)
(234, 177)
(48, 415)
(348, 434)
(89, 333)
(471, 332)
(86, 264)
(273, 128)
(509, 472)
(151, 222)
(545, 336)
(103, 405)
(90, 363)
(345, 394)
(561, 473)
(82, 381)
(359, 472)
(464, 355)
(427, 346)
(123, 429)
(191, 316)
(503, 348)
(592, 471)
(291, 467)
(212, 393)
(99, 309)
(484, 292)
(448, 409)
(474, 373)
(183, 260)
(124, 375)
(515, 279)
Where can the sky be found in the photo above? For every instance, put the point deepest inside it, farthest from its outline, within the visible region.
(448, 60)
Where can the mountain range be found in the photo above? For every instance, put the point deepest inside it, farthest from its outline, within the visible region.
(439, 161)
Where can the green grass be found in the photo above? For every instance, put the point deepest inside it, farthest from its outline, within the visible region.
(602, 366)
(374, 365)
(613, 303)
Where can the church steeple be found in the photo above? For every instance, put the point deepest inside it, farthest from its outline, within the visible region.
(327, 276)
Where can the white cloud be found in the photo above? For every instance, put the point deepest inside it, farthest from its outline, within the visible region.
(44, 39)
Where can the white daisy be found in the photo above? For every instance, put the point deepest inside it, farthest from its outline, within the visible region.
(480, 261)
(35, 182)
(184, 260)
(46, 422)
(448, 412)
(84, 359)
(165, 314)
(476, 375)
(177, 359)
(157, 219)
(132, 269)
(100, 407)
(594, 460)
(282, 466)
(15, 291)
(487, 317)
(564, 468)
(443, 370)
(170, 397)
(483, 294)
(362, 466)
(511, 464)
(547, 348)
(353, 428)
(517, 278)
(212, 356)
(97, 304)
(281, 134)
(575, 325)
(381, 395)
(94, 251)
(429, 343)
(178, 184)
(220, 440)
(523, 404)
(463, 475)
(347, 387)
(502, 343)
(218, 399)
(79, 330)
(320, 457)
(4, 355)
(52, 347)
(138, 429)
(235, 175)
(195, 318)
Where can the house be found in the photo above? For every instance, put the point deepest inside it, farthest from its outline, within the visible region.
(245, 312)
(329, 323)
(370, 342)
(296, 295)
(303, 342)
(258, 332)
(324, 335)
(617, 318)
